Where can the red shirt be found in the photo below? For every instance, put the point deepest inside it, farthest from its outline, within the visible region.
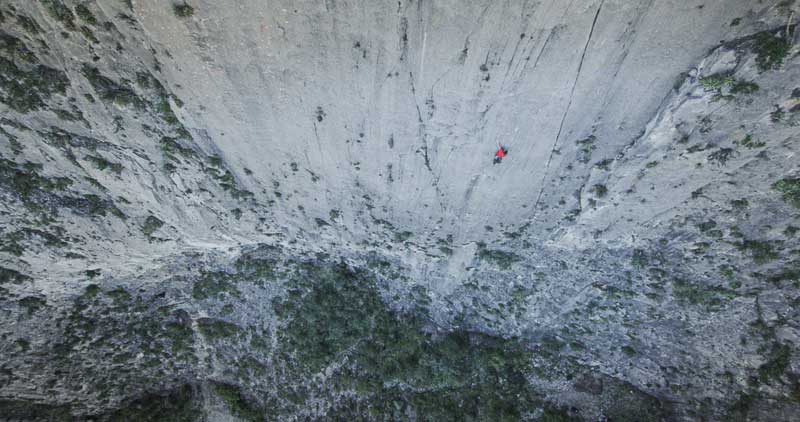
(500, 153)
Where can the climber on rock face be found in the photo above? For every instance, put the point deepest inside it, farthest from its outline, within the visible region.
(501, 152)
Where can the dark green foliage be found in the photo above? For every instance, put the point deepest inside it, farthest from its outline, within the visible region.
(629, 351)
(91, 291)
(639, 258)
(502, 259)
(214, 285)
(215, 160)
(161, 105)
(707, 225)
(58, 11)
(402, 236)
(725, 86)
(29, 25)
(770, 49)
(749, 143)
(721, 156)
(111, 91)
(604, 164)
(790, 189)
(10, 243)
(92, 273)
(171, 146)
(585, 148)
(8, 275)
(217, 329)
(32, 303)
(239, 405)
(335, 315)
(28, 410)
(257, 266)
(151, 224)
(89, 34)
(744, 87)
(120, 296)
(599, 190)
(85, 14)
(95, 205)
(15, 50)
(761, 251)
(717, 81)
(740, 204)
(126, 338)
(710, 297)
(183, 10)
(24, 88)
(790, 273)
(103, 164)
(26, 184)
(777, 115)
(776, 364)
(226, 179)
(182, 404)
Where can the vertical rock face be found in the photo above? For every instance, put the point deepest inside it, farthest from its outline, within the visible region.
(288, 210)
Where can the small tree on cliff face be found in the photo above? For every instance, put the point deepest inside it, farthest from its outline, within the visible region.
(183, 10)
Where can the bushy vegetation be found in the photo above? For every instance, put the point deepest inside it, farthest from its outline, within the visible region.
(335, 318)
(110, 91)
(179, 405)
(770, 50)
(502, 259)
(85, 14)
(103, 164)
(60, 12)
(217, 329)
(215, 284)
(790, 189)
(25, 87)
(761, 251)
(585, 148)
(151, 224)
(183, 10)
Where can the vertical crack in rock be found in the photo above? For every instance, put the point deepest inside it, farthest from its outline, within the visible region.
(566, 111)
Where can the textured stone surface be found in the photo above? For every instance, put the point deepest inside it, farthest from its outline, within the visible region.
(287, 210)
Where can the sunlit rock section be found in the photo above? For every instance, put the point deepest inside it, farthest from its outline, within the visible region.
(288, 211)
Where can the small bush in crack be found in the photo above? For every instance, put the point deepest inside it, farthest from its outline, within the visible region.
(600, 190)
(717, 81)
(58, 11)
(85, 14)
(151, 224)
(183, 10)
(103, 164)
(790, 189)
(721, 156)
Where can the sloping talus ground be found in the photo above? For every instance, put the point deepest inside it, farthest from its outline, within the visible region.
(287, 210)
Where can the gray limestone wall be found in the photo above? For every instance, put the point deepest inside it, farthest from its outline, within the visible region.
(173, 173)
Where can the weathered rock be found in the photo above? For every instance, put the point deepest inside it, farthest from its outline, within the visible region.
(287, 210)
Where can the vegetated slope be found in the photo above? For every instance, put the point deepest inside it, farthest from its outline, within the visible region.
(289, 211)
